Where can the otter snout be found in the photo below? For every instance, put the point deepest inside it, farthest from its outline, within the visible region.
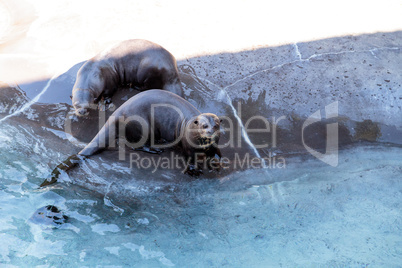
(211, 132)
(210, 127)
(81, 111)
(83, 100)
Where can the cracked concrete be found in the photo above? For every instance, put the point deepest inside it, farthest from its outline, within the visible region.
(299, 55)
(361, 73)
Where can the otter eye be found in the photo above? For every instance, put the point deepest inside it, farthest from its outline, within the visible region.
(220, 120)
(196, 122)
(205, 126)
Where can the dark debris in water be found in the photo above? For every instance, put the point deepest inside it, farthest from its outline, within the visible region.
(49, 216)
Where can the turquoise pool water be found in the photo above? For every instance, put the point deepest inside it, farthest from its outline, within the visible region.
(307, 214)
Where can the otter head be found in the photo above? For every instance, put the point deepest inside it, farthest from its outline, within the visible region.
(207, 129)
(82, 100)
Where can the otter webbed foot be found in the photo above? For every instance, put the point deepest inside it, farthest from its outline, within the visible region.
(105, 104)
(104, 107)
(193, 170)
(149, 149)
(107, 100)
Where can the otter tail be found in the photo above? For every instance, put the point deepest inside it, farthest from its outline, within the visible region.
(100, 142)
(66, 165)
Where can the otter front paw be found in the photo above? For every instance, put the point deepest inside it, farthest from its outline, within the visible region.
(214, 164)
(107, 100)
(193, 170)
(106, 104)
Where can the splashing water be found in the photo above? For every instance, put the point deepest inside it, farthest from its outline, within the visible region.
(27, 105)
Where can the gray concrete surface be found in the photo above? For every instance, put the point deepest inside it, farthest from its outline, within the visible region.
(361, 73)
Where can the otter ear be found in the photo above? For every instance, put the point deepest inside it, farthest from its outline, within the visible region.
(196, 122)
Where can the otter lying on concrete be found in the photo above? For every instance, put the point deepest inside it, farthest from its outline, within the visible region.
(152, 116)
(137, 62)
